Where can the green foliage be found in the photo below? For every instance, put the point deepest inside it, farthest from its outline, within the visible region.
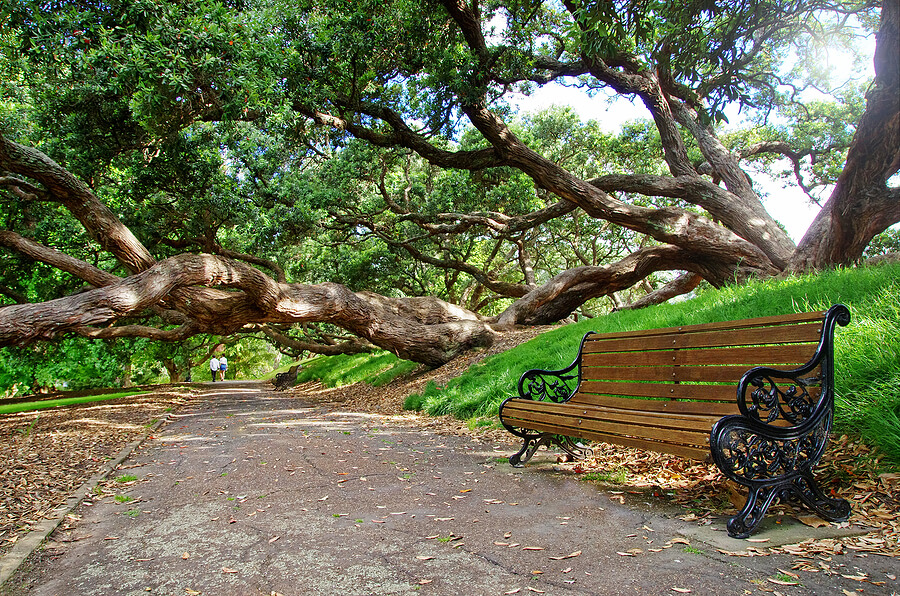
(884, 243)
(73, 363)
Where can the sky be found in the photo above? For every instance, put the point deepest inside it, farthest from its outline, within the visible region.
(790, 206)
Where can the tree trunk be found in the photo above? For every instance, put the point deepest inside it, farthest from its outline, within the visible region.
(862, 205)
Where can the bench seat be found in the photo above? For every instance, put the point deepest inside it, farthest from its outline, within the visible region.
(753, 395)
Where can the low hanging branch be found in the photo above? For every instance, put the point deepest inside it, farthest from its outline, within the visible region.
(426, 330)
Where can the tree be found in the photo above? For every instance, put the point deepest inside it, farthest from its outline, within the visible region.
(186, 127)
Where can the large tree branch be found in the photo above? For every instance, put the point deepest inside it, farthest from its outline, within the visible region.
(401, 135)
(677, 287)
(44, 254)
(426, 330)
(862, 205)
(669, 225)
(297, 347)
(99, 221)
(570, 289)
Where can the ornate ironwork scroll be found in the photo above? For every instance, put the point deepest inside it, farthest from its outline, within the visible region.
(555, 386)
(781, 434)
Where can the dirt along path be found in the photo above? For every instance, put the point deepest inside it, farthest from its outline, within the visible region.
(246, 491)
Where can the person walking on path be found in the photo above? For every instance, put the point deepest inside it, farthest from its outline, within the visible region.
(223, 366)
(214, 367)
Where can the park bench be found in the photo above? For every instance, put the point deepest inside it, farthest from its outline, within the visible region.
(756, 396)
(285, 380)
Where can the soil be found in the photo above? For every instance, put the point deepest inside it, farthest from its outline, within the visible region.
(49, 453)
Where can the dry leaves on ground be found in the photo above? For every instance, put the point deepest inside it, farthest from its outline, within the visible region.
(848, 470)
(48, 454)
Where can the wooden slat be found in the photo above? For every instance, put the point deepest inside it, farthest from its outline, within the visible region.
(582, 428)
(708, 408)
(690, 452)
(694, 446)
(724, 392)
(748, 356)
(667, 420)
(772, 321)
(706, 339)
(672, 374)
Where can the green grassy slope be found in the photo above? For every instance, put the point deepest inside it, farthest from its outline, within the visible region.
(868, 350)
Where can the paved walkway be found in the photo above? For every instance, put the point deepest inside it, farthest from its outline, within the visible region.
(249, 492)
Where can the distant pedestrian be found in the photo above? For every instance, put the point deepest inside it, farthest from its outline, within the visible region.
(223, 366)
(214, 367)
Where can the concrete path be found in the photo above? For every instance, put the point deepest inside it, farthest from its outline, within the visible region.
(249, 492)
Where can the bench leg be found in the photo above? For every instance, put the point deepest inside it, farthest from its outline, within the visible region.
(753, 512)
(809, 492)
(803, 486)
(532, 442)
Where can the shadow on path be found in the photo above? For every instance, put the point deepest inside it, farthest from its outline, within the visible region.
(248, 491)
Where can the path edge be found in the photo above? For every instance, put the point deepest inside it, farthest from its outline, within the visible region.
(11, 561)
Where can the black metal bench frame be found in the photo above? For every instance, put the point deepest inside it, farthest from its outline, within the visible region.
(771, 446)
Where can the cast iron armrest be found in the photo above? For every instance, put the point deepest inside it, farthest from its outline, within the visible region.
(555, 386)
(778, 460)
(778, 402)
(552, 385)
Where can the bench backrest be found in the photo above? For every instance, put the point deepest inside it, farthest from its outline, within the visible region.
(692, 369)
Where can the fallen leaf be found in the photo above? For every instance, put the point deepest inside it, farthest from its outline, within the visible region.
(229, 570)
(424, 558)
(681, 590)
(534, 590)
(425, 581)
(812, 521)
(568, 556)
(273, 539)
(516, 591)
(779, 582)
(191, 592)
(185, 555)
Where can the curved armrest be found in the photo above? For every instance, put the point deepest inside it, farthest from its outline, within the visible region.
(548, 385)
(552, 385)
(768, 395)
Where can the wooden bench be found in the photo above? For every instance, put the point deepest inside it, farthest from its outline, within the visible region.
(285, 380)
(688, 391)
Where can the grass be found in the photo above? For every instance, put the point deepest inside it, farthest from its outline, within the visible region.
(64, 401)
(379, 368)
(614, 476)
(867, 351)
